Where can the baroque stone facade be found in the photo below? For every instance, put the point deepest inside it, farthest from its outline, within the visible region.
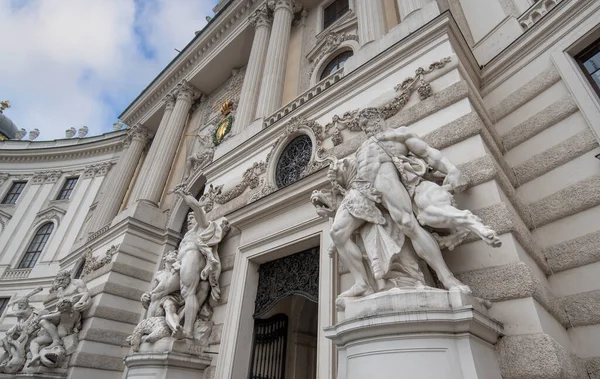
(436, 192)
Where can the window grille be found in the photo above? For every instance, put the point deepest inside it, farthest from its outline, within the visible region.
(36, 246)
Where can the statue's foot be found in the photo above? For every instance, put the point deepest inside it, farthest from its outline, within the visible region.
(178, 333)
(357, 290)
(491, 238)
(34, 359)
(451, 283)
(188, 335)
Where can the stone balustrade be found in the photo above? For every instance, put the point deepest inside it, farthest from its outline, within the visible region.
(16, 273)
(536, 12)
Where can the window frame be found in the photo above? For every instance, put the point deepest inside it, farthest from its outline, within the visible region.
(4, 306)
(579, 58)
(338, 14)
(9, 193)
(37, 252)
(331, 60)
(321, 14)
(67, 191)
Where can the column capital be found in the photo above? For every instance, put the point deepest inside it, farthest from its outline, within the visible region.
(170, 101)
(290, 5)
(262, 17)
(185, 91)
(136, 133)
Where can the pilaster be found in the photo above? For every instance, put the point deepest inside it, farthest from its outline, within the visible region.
(408, 7)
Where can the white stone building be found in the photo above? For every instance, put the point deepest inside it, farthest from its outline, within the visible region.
(508, 90)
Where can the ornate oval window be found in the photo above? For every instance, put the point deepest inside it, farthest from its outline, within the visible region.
(293, 160)
(336, 63)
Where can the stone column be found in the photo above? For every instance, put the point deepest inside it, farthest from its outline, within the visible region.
(407, 7)
(271, 88)
(371, 20)
(147, 165)
(261, 19)
(154, 181)
(116, 188)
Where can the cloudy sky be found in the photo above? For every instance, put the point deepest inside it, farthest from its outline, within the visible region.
(69, 63)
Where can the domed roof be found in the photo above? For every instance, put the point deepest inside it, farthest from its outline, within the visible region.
(7, 127)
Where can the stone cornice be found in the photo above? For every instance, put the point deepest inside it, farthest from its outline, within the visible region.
(185, 63)
(94, 148)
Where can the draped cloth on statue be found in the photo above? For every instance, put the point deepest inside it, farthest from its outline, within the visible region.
(207, 242)
(389, 253)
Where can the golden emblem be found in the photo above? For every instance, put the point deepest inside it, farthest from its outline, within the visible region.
(225, 125)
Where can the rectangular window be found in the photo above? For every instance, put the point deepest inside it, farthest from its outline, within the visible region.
(589, 61)
(14, 192)
(334, 11)
(67, 189)
(3, 304)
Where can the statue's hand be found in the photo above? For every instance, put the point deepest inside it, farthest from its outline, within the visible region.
(456, 179)
(145, 297)
(332, 173)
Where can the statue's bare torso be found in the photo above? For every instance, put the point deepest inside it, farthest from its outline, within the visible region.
(371, 158)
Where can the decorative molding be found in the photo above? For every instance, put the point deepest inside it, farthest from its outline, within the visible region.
(94, 263)
(3, 178)
(98, 169)
(187, 61)
(138, 133)
(538, 10)
(50, 214)
(296, 274)
(330, 43)
(263, 16)
(99, 232)
(349, 120)
(50, 176)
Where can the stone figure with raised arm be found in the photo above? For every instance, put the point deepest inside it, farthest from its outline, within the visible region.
(200, 267)
(378, 188)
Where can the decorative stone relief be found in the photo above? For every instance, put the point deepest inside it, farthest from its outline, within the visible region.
(3, 178)
(42, 177)
(331, 42)
(170, 295)
(419, 185)
(94, 263)
(98, 169)
(49, 335)
(349, 120)
(137, 132)
(297, 274)
(50, 214)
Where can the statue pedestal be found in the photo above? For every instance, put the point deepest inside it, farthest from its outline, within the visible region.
(425, 334)
(168, 358)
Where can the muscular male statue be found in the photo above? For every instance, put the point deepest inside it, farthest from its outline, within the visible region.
(378, 182)
(199, 260)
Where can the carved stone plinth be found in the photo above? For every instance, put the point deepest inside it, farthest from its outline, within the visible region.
(168, 358)
(414, 333)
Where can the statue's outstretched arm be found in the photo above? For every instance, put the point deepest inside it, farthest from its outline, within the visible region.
(438, 161)
(197, 208)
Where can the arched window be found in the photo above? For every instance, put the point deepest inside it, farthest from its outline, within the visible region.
(336, 63)
(37, 245)
(293, 161)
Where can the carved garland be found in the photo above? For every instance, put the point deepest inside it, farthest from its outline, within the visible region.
(93, 263)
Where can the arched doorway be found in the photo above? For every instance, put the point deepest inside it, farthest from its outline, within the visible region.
(286, 318)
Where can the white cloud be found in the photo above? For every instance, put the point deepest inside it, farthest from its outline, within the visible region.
(81, 62)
